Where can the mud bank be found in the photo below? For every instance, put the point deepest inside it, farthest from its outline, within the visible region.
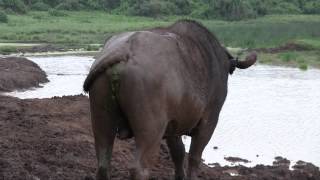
(20, 73)
(52, 139)
(284, 48)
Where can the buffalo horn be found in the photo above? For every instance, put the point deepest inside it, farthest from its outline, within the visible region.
(249, 61)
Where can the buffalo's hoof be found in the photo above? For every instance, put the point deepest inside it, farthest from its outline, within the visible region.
(102, 174)
(139, 174)
(125, 134)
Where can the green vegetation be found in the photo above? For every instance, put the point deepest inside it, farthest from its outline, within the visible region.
(248, 24)
(57, 13)
(288, 56)
(267, 31)
(3, 17)
(75, 28)
(209, 9)
(40, 6)
(17, 6)
(93, 47)
(9, 48)
(303, 66)
(83, 28)
(310, 43)
(6, 50)
(300, 59)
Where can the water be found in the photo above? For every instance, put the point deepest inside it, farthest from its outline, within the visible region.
(270, 111)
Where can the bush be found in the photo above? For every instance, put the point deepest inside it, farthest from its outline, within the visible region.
(312, 8)
(155, 8)
(69, 5)
(260, 7)
(15, 5)
(146, 8)
(200, 10)
(38, 16)
(232, 10)
(289, 56)
(285, 8)
(6, 50)
(3, 17)
(52, 3)
(8, 11)
(93, 48)
(55, 12)
(222, 9)
(182, 7)
(110, 4)
(40, 6)
(303, 67)
(90, 4)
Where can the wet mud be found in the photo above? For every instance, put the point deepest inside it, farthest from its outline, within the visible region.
(52, 139)
(20, 73)
(284, 48)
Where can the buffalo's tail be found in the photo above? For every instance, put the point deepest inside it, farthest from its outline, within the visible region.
(101, 67)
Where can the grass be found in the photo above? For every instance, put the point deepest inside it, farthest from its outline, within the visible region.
(288, 56)
(299, 59)
(93, 27)
(268, 31)
(82, 29)
(310, 43)
(74, 28)
(6, 50)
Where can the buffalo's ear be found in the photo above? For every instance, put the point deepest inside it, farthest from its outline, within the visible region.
(249, 61)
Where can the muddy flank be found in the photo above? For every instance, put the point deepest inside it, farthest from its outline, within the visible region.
(42, 139)
(20, 73)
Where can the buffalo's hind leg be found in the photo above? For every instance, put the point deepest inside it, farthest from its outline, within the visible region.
(142, 101)
(148, 140)
(200, 138)
(177, 152)
(103, 119)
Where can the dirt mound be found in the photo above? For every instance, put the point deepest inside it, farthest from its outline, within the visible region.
(20, 73)
(52, 139)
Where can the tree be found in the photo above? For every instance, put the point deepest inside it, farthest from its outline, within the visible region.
(312, 7)
(3, 17)
(111, 4)
(15, 5)
(232, 9)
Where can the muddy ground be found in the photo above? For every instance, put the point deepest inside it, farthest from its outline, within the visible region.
(20, 73)
(284, 48)
(51, 139)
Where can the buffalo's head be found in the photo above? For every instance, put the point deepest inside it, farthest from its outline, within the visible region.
(249, 61)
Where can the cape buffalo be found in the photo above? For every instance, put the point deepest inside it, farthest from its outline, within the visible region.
(159, 83)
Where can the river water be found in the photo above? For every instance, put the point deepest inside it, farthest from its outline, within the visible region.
(270, 111)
